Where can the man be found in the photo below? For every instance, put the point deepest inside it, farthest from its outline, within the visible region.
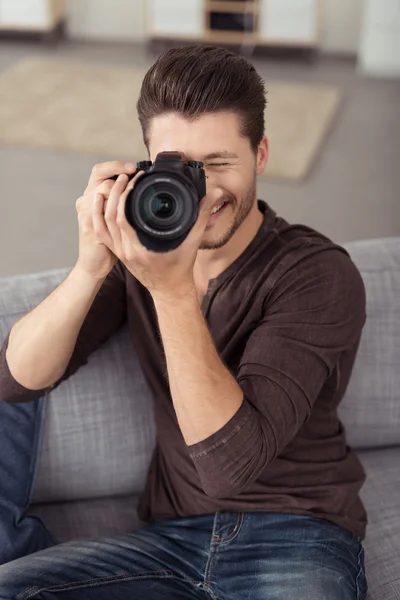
(247, 334)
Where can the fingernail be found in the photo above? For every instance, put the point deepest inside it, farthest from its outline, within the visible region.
(130, 167)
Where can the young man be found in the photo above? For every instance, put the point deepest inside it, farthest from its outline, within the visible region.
(247, 334)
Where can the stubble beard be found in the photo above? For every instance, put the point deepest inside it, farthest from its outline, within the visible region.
(242, 213)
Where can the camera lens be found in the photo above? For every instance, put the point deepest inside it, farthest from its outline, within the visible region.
(162, 205)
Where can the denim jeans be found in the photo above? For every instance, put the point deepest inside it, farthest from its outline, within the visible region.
(222, 556)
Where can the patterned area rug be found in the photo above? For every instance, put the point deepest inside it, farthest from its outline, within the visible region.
(82, 108)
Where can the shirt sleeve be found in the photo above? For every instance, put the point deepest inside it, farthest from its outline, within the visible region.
(106, 315)
(315, 313)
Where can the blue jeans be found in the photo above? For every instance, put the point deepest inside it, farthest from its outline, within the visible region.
(222, 556)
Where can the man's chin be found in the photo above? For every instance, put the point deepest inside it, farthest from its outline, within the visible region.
(213, 242)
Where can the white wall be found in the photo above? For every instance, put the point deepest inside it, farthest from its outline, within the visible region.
(117, 20)
(341, 25)
(380, 39)
(124, 20)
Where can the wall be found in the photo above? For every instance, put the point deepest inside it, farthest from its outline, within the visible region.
(380, 39)
(124, 20)
(119, 20)
(341, 25)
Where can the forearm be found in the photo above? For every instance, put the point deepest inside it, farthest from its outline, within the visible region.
(42, 342)
(205, 394)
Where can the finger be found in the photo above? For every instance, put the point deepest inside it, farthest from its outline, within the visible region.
(110, 214)
(104, 188)
(103, 171)
(99, 225)
(121, 218)
(130, 243)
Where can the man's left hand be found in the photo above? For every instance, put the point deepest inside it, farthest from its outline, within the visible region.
(168, 274)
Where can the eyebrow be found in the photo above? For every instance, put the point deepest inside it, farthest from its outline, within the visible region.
(220, 155)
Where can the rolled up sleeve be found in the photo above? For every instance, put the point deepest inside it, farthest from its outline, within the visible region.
(315, 313)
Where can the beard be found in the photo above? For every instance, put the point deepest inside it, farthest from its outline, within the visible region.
(243, 211)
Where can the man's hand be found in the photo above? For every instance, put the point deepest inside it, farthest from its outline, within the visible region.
(96, 259)
(166, 275)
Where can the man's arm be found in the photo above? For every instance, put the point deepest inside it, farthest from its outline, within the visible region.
(205, 394)
(53, 340)
(235, 428)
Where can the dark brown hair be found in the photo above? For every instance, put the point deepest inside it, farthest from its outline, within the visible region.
(195, 80)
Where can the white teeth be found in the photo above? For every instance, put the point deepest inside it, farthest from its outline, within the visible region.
(216, 208)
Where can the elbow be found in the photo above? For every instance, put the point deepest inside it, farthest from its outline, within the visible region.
(230, 467)
(230, 483)
(220, 489)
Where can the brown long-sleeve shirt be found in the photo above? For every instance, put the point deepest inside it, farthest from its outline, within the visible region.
(286, 318)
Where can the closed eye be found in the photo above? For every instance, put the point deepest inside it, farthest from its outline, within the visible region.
(218, 164)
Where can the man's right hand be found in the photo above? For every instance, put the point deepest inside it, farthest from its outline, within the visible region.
(96, 259)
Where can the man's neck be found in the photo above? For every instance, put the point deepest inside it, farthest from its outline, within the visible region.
(211, 263)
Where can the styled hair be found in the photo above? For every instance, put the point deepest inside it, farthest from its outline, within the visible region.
(196, 80)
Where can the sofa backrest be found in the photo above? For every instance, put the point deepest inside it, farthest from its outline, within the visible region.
(99, 430)
(370, 410)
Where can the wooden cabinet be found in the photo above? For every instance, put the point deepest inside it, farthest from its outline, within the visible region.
(31, 15)
(257, 22)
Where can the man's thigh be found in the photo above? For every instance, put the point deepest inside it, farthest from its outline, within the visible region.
(145, 564)
(282, 557)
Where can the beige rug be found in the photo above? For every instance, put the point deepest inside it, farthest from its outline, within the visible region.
(63, 105)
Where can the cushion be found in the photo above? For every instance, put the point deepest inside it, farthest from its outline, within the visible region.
(380, 495)
(99, 429)
(83, 519)
(370, 410)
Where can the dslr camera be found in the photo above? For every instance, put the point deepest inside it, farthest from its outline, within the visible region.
(164, 204)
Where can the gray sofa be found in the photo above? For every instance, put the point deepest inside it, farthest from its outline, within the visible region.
(98, 434)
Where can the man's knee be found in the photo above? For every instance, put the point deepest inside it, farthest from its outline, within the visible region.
(16, 578)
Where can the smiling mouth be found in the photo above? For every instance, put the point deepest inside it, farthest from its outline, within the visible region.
(218, 208)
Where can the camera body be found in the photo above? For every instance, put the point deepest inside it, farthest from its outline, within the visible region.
(163, 206)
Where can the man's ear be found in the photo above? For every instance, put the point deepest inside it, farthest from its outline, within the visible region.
(262, 155)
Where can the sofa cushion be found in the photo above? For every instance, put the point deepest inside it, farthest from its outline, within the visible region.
(370, 410)
(380, 495)
(99, 429)
(83, 519)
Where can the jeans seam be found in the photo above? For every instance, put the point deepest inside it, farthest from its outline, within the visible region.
(209, 589)
(78, 584)
(211, 551)
(360, 570)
